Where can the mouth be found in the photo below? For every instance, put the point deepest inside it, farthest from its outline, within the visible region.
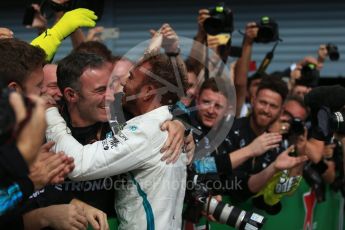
(209, 118)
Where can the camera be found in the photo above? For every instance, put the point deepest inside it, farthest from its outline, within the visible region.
(220, 20)
(199, 198)
(296, 128)
(333, 52)
(331, 122)
(309, 75)
(49, 7)
(268, 30)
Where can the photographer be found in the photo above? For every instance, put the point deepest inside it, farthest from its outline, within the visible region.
(224, 161)
(17, 155)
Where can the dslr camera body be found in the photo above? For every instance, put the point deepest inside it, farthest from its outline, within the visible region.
(268, 30)
(221, 20)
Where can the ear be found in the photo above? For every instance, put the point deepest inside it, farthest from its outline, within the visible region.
(253, 100)
(71, 95)
(149, 92)
(15, 86)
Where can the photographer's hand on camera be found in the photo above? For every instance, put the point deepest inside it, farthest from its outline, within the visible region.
(210, 217)
(251, 32)
(201, 33)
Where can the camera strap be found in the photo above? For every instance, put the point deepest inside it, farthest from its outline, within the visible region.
(267, 60)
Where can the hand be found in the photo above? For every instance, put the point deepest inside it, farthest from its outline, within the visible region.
(51, 39)
(211, 217)
(50, 167)
(34, 127)
(39, 22)
(50, 101)
(94, 34)
(72, 20)
(329, 150)
(312, 60)
(173, 145)
(189, 147)
(65, 217)
(156, 41)
(203, 15)
(301, 143)
(5, 33)
(251, 32)
(284, 161)
(264, 142)
(170, 39)
(94, 216)
(213, 43)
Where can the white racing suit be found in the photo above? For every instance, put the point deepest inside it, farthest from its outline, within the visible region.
(152, 193)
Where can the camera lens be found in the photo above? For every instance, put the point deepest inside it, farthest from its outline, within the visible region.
(233, 216)
(337, 122)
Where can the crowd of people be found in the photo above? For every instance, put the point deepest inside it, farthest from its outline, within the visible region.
(97, 136)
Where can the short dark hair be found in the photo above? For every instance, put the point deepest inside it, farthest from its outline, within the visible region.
(18, 60)
(299, 100)
(71, 68)
(192, 67)
(216, 84)
(256, 75)
(170, 69)
(274, 84)
(95, 47)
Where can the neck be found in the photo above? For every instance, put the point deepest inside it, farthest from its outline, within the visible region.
(143, 107)
(257, 129)
(76, 119)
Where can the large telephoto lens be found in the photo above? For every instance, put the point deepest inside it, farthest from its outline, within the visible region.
(233, 216)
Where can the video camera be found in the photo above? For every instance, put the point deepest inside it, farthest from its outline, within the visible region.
(199, 198)
(268, 30)
(333, 52)
(221, 20)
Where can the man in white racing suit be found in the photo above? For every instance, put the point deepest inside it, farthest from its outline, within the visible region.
(153, 192)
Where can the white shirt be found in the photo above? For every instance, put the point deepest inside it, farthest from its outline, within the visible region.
(152, 194)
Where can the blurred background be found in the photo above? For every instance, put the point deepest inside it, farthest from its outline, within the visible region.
(303, 26)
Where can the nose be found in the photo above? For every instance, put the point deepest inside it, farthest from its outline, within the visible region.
(211, 108)
(267, 109)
